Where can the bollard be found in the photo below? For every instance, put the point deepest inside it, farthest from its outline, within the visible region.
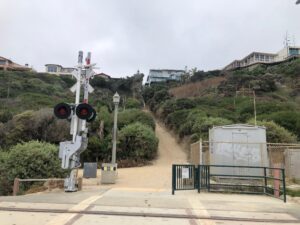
(79, 184)
(16, 186)
(276, 174)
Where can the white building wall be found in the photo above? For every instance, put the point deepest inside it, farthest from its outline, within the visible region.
(282, 54)
(238, 145)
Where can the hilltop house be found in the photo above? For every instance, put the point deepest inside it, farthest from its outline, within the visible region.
(255, 58)
(104, 76)
(58, 69)
(163, 75)
(7, 64)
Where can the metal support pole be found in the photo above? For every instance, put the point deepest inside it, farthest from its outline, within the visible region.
(173, 179)
(113, 159)
(283, 183)
(77, 98)
(199, 177)
(208, 178)
(254, 106)
(265, 179)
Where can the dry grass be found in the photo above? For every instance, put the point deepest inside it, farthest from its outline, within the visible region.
(197, 88)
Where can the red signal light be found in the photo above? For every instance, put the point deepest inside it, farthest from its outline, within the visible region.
(62, 111)
(84, 111)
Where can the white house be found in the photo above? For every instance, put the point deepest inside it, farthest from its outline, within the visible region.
(163, 75)
(253, 58)
(58, 69)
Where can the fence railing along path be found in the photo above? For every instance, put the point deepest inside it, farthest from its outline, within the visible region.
(271, 181)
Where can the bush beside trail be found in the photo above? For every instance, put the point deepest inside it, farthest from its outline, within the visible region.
(32, 159)
(137, 141)
(134, 115)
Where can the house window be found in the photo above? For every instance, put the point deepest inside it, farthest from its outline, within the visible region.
(262, 58)
(2, 62)
(294, 51)
(52, 69)
(267, 58)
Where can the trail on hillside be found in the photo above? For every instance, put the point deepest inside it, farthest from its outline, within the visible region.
(159, 174)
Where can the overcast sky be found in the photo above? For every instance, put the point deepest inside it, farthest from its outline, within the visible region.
(127, 35)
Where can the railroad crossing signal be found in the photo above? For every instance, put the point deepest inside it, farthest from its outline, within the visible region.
(83, 111)
(79, 113)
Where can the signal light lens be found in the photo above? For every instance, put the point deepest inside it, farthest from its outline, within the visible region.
(84, 111)
(62, 111)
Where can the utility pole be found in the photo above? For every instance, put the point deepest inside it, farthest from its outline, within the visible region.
(254, 106)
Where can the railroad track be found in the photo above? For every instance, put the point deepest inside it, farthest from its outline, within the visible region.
(153, 215)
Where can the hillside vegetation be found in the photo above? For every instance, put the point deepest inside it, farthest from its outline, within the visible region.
(29, 130)
(219, 98)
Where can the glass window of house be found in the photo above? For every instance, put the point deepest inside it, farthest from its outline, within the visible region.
(52, 69)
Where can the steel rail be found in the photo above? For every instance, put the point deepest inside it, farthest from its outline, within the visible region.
(153, 215)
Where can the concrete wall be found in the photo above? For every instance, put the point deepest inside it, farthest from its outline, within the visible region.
(239, 146)
(292, 163)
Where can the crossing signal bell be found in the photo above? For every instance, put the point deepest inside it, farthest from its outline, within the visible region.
(83, 111)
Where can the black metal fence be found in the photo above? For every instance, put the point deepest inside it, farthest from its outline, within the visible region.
(270, 181)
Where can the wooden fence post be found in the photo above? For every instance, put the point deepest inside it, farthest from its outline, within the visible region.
(16, 186)
(79, 183)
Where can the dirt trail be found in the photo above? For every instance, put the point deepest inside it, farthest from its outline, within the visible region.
(159, 174)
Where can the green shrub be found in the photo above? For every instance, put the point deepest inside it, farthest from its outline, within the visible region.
(203, 124)
(102, 115)
(161, 96)
(31, 160)
(5, 186)
(69, 80)
(172, 105)
(133, 103)
(30, 125)
(5, 116)
(134, 115)
(246, 108)
(290, 120)
(176, 119)
(276, 133)
(137, 141)
(97, 150)
(186, 127)
(148, 92)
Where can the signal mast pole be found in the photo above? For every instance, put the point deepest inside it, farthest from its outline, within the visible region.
(77, 98)
(69, 151)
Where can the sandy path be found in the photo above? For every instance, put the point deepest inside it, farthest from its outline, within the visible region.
(157, 175)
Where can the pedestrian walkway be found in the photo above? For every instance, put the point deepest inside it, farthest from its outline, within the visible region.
(144, 206)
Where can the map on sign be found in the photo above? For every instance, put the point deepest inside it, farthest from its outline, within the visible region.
(185, 173)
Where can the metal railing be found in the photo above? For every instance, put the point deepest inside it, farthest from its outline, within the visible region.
(189, 177)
